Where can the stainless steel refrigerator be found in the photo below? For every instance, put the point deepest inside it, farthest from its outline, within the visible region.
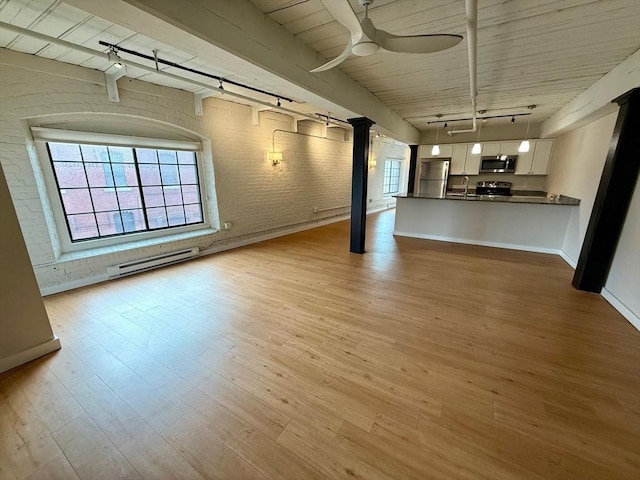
(432, 178)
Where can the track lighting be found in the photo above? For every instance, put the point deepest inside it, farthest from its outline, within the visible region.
(113, 54)
(524, 145)
(221, 87)
(279, 102)
(513, 119)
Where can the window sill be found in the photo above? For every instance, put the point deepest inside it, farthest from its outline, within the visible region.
(150, 242)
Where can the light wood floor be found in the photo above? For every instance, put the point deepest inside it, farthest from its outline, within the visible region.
(293, 359)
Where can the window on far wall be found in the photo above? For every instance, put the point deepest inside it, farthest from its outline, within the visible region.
(391, 177)
(109, 191)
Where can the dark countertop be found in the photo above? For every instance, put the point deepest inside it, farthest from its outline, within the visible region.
(537, 200)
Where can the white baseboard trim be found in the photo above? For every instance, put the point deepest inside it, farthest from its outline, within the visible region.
(29, 354)
(271, 235)
(620, 307)
(567, 259)
(81, 282)
(509, 246)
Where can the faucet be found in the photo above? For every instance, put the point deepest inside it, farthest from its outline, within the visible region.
(465, 182)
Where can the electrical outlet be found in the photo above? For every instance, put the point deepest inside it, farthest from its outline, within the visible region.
(228, 225)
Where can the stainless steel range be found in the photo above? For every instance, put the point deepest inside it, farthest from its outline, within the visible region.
(502, 189)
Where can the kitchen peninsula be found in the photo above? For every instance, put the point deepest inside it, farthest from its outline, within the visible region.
(532, 223)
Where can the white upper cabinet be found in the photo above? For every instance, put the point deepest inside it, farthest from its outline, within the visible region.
(509, 148)
(424, 151)
(458, 159)
(536, 160)
(489, 149)
(463, 162)
(525, 160)
(542, 157)
(472, 163)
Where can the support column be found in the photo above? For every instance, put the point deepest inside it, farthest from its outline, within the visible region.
(361, 127)
(413, 165)
(617, 184)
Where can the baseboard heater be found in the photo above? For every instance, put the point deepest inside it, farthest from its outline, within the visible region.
(149, 263)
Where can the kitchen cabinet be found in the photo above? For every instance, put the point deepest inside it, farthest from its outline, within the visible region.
(489, 149)
(504, 148)
(536, 160)
(472, 163)
(463, 162)
(542, 157)
(458, 160)
(424, 151)
(509, 148)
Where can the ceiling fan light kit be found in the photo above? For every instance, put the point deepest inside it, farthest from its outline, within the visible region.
(366, 39)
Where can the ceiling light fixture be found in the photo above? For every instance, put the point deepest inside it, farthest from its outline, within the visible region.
(184, 68)
(524, 145)
(113, 52)
(435, 150)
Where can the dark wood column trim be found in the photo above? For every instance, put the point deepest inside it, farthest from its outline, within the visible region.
(361, 127)
(413, 165)
(617, 184)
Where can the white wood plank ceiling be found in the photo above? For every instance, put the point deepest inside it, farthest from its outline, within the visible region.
(542, 52)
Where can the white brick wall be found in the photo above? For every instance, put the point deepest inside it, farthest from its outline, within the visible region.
(254, 195)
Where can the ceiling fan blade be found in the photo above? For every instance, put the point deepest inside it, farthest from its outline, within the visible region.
(416, 43)
(341, 10)
(336, 61)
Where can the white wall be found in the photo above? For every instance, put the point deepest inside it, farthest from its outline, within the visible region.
(258, 198)
(622, 289)
(576, 166)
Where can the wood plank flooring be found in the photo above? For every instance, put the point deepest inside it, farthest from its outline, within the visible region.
(294, 359)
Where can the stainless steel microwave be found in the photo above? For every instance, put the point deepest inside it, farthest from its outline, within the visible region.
(498, 164)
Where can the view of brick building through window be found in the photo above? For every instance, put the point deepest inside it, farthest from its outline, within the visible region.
(108, 190)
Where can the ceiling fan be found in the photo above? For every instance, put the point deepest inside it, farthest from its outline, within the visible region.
(366, 39)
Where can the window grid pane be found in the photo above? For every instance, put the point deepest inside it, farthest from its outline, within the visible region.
(391, 182)
(109, 191)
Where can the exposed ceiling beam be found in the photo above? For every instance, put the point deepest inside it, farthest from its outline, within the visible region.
(595, 101)
(237, 32)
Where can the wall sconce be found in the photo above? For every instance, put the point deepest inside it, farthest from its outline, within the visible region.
(372, 164)
(275, 157)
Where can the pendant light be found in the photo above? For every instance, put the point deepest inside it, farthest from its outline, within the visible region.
(524, 145)
(435, 150)
(477, 147)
